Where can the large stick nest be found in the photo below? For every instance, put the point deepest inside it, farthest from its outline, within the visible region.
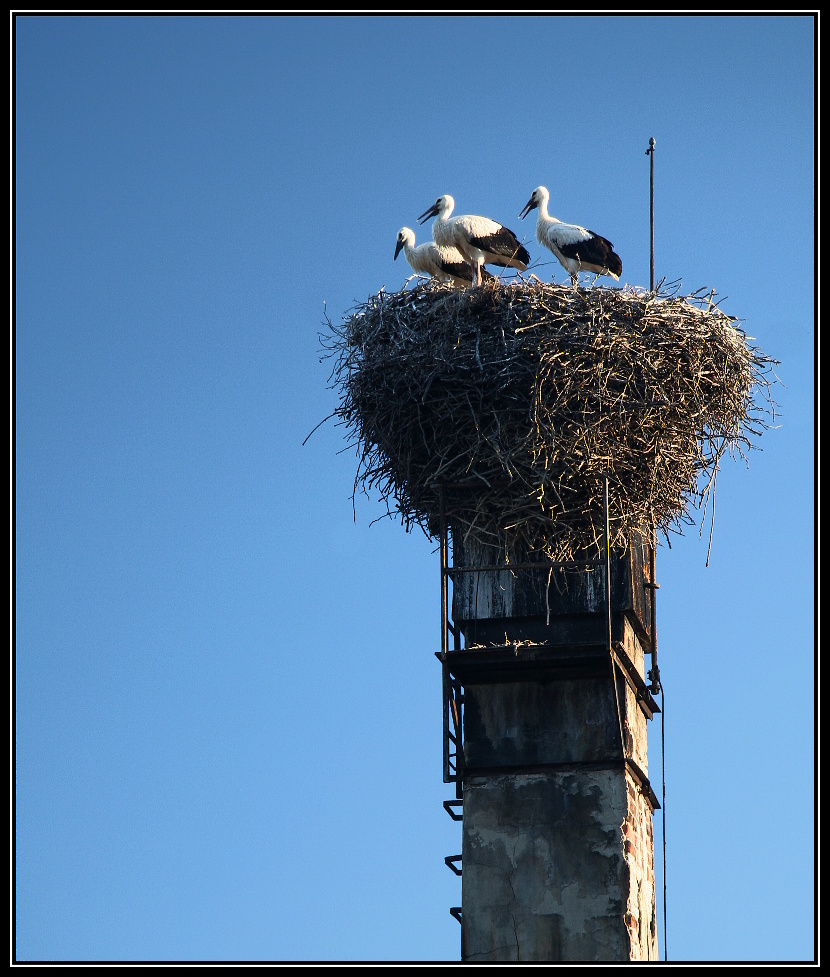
(519, 397)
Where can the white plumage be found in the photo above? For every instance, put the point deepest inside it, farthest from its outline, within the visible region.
(445, 264)
(481, 240)
(577, 248)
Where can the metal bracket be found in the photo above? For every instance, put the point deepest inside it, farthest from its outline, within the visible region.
(449, 805)
(654, 678)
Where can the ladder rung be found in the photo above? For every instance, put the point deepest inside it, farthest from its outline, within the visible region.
(448, 805)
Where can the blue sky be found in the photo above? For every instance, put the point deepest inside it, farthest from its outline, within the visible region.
(227, 706)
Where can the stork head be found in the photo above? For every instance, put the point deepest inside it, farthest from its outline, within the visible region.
(405, 236)
(539, 195)
(443, 206)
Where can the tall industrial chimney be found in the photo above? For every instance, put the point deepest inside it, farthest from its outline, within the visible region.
(547, 714)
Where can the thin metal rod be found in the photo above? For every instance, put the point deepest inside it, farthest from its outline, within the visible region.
(663, 759)
(445, 678)
(445, 720)
(444, 561)
(607, 564)
(650, 152)
(458, 721)
(612, 658)
(654, 672)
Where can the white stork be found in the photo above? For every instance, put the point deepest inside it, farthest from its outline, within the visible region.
(577, 248)
(481, 240)
(445, 264)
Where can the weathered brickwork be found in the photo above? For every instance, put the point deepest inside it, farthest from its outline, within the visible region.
(638, 853)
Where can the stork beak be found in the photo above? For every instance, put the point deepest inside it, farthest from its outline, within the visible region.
(398, 247)
(432, 212)
(527, 209)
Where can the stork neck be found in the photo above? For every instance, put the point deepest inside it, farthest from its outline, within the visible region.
(442, 230)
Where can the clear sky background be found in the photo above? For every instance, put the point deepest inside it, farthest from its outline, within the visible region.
(227, 706)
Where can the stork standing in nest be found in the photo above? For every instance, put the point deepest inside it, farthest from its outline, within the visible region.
(481, 240)
(577, 248)
(445, 264)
